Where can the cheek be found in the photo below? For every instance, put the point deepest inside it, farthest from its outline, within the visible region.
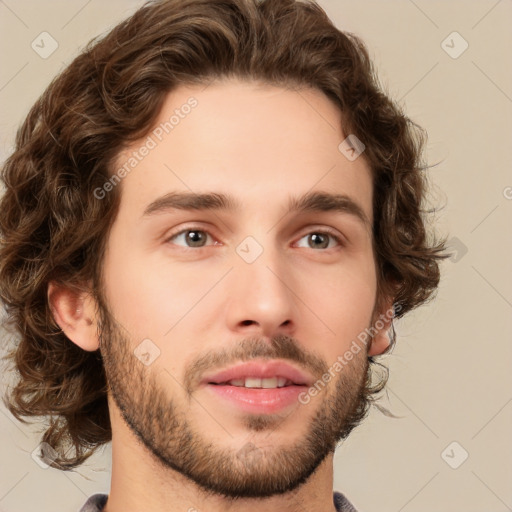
(342, 303)
(147, 296)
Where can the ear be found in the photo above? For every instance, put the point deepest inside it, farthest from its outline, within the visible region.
(381, 324)
(75, 314)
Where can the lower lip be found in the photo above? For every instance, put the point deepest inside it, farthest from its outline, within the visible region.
(258, 400)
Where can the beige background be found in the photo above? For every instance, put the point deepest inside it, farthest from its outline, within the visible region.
(450, 372)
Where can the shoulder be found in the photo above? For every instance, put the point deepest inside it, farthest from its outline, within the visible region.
(95, 503)
(342, 504)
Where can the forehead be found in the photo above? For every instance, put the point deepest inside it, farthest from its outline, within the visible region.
(257, 142)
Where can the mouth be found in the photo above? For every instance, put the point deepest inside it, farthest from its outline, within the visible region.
(257, 383)
(262, 388)
(262, 374)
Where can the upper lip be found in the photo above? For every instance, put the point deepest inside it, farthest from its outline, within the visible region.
(261, 370)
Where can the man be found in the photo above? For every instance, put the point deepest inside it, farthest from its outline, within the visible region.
(210, 219)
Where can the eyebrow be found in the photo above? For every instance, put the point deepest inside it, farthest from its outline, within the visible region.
(317, 201)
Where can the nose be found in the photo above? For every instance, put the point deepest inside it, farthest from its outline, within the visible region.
(262, 301)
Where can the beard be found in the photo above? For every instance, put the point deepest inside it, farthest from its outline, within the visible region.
(163, 426)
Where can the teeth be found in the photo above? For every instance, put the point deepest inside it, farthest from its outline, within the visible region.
(254, 382)
(269, 383)
(251, 382)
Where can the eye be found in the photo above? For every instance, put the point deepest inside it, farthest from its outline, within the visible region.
(195, 238)
(192, 237)
(320, 239)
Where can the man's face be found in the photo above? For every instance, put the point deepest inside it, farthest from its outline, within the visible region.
(256, 283)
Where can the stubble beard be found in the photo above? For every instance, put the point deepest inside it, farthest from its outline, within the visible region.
(247, 471)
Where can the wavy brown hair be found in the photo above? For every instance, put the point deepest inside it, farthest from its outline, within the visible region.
(53, 228)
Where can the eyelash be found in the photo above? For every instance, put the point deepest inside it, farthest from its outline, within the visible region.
(323, 231)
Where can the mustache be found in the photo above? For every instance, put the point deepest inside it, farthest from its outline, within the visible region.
(280, 347)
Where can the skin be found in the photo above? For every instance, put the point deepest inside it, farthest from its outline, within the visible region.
(299, 301)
